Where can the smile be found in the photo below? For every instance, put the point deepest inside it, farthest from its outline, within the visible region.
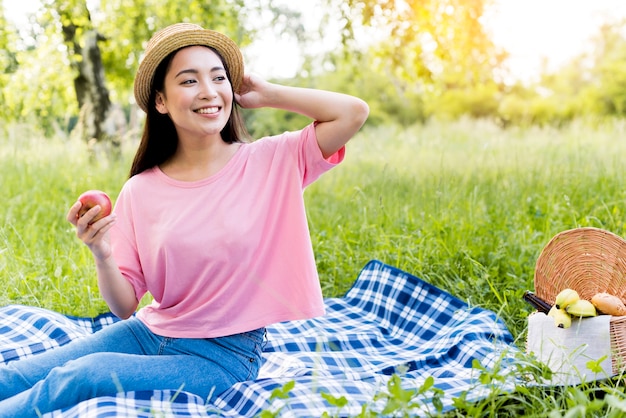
(207, 110)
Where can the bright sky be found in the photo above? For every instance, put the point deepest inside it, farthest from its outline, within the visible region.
(556, 29)
(528, 29)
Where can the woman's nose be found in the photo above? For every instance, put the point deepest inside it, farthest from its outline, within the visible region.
(207, 90)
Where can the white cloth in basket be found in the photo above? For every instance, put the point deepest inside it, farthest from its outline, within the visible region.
(581, 353)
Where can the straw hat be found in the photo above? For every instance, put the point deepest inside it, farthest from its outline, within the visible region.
(178, 36)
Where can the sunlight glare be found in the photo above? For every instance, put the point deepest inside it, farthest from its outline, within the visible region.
(550, 31)
(534, 32)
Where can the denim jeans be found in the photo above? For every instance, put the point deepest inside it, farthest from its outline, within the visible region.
(127, 356)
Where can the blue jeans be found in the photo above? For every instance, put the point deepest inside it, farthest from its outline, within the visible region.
(127, 356)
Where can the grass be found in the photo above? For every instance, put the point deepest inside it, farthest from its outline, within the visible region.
(464, 205)
(467, 207)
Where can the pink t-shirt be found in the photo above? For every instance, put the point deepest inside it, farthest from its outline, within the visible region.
(229, 253)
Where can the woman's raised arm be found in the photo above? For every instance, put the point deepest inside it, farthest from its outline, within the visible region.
(339, 116)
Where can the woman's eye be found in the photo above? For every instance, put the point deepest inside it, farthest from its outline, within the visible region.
(220, 78)
(188, 82)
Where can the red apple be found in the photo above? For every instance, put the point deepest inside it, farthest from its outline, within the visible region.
(91, 198)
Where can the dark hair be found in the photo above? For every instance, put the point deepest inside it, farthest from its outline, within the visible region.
(160, 140)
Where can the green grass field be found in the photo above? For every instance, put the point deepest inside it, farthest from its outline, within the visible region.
(466, 206)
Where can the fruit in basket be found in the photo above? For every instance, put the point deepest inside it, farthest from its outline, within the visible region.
(561, 318)
(609, 304)
(565, 298)
(581, 308)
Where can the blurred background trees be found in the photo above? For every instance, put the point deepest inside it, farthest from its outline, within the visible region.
(71, 68)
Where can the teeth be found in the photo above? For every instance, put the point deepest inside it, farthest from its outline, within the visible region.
(207, 110)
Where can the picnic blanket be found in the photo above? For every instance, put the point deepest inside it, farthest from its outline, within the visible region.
(391, 334)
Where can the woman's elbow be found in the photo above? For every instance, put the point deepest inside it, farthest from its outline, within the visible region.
(361, 111)
(125, 315)
(124, 311)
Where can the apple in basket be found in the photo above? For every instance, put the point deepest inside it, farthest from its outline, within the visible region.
(92, 198)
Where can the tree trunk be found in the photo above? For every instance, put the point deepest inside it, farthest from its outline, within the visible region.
(99, 122)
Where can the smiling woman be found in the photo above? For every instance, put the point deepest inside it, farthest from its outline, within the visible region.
(211, 225)
(198, 97)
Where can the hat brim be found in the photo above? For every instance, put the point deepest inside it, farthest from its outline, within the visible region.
(174, 38)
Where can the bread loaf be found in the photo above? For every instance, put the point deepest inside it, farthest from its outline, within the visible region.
(609, 304)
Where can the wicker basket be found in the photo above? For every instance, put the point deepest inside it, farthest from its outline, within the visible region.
(588, 260)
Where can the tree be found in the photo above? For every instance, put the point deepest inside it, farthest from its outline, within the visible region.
(592, 84)
(123, 29)
(608, 71)
(83, 52)
(427, 48)
(8, 58)
(94, 52)
(38, 91)
(429, 40)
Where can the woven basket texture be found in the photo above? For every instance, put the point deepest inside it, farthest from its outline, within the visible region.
(588, 260)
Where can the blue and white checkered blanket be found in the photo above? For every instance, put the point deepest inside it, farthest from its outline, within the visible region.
(392, 341)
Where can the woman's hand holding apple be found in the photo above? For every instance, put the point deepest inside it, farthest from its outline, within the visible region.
(91, 215)
(91, 199)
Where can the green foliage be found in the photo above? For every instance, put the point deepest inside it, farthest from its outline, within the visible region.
(41, 92)
(263, 122)
(40, 83)
(535, 110)
(591, 86)
(478, 101)
(411, 61)
(608, 74)
(42, 78)
(391, 99)
(403, 402)
(402, 397)
(442, 41)
(280, 393)
(8, 61)
(127, 26)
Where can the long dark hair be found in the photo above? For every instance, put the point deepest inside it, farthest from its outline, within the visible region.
(160, 140)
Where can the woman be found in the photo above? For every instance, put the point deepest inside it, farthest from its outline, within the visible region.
(214, 227)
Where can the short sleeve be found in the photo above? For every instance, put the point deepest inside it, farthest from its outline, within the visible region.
(124, 244)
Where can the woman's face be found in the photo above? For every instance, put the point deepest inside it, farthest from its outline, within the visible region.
(197, 94)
